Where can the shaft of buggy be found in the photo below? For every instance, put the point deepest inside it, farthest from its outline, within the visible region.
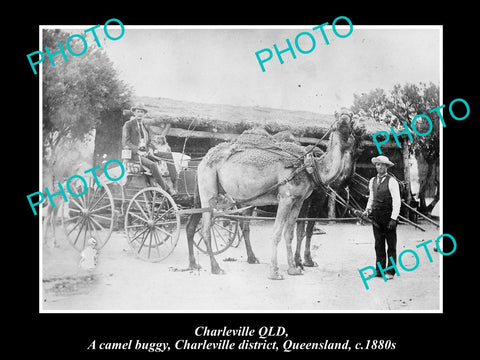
(342, 201)
(403, 202)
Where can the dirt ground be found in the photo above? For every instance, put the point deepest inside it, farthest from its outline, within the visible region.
(124, 283)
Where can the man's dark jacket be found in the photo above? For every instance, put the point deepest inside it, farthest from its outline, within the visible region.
(131, 136)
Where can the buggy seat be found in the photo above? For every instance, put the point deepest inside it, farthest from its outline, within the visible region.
(133, 167)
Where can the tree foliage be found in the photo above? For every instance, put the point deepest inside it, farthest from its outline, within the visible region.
(399, 107)
(402, 104)
(371, 105)
(79, 93)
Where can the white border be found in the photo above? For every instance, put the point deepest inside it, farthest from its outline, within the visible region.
(191, 311)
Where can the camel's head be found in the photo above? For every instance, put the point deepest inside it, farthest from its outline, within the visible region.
(343, 122)
(349, 126)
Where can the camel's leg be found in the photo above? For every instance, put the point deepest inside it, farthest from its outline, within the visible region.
(301, 233)
(245, 229)
(284, 207)
(208, 191)
(206, 232)
(307, 255)
(314, 211)
(190, 227)
(288, 230)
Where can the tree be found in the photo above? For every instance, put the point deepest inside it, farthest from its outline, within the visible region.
(78, 94)
(428, 147)
(371, 105)
(399, 107)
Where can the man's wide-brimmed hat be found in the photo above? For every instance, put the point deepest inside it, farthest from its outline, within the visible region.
(139, 107)
(383, 160)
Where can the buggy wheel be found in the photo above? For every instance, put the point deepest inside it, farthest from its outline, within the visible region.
(224, 232)
(152, 224)
(89, 215)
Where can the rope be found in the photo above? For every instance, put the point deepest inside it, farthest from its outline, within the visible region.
(187, 137)
(328, 132)
(357, 212)
(315, 174)
(277, 185)
(323, 137)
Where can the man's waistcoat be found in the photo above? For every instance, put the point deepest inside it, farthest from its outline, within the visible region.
(382, 200)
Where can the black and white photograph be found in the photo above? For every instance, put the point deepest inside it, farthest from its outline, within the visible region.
(241, 169)
(209, 180)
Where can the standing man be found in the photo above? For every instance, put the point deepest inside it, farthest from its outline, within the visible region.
(136, 137)
(384, 207)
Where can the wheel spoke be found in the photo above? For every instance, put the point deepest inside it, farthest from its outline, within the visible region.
(153, 204)
(199, 241)
(164, 231)
(88, 216)
(138, 216)
(149, 244)
(220, 234)
(135, 225)
(99, 199)
(101, 208)
(147, 204)
(200, 238)
(141, 209)
(157, 241)
(150, 222)
(85, 233)
(226, 229)
(78, 223)
(79, 206)
(91, 194)
(198, 230)
(101, 217)
(73, 218)
(215, 238)
(79, 230)
(95, 230)
(160, 205)
(138, 234)
(165, 213)
(143, 241)
(81, 198)
(95, 222)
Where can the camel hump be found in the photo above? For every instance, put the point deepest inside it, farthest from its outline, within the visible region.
(257, 147)
(253, 137)
(220, 152)
(286, 136)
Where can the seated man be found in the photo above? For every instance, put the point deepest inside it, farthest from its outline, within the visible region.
(136, 137)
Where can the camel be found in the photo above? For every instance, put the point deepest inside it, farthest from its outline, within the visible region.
(313, 206)
(257, 176)
(194, 219)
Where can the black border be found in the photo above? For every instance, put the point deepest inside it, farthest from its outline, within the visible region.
(59, 335)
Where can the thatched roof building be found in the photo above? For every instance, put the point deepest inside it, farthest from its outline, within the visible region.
(230, 119)
(193, 128)
(196, 127)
